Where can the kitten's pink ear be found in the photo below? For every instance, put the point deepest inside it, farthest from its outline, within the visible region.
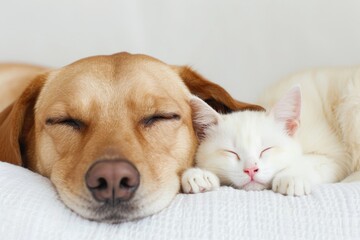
(203, 116)
(288, 110)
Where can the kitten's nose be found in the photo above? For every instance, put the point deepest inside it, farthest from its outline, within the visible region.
(251, 171)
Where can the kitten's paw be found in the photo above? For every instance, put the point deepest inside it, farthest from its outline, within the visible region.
(291, 185)
(196, 180)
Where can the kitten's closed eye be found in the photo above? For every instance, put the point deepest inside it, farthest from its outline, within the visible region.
(234, 153)
(263, 151)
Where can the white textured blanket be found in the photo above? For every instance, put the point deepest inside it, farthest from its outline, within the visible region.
(30, 209)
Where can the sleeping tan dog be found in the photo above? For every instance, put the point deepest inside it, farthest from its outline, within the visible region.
(113, 133)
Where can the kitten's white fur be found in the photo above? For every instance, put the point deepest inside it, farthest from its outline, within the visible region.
(330, 118)
(328, 136)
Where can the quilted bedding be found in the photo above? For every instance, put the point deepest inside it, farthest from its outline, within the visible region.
(30, 209)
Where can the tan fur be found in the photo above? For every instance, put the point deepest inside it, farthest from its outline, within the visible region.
(111, 96)
(13, 80)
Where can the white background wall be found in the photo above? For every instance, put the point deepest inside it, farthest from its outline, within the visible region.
(242, 44)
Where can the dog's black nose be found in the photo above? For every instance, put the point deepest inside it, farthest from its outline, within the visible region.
(112, 181)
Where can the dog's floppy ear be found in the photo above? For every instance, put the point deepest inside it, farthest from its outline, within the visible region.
(214, 95)
(16, 121)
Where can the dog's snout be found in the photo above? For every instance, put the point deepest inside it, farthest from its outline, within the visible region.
(112, 181)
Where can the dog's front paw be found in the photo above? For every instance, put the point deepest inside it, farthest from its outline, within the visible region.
(291, 185)
(195, 180)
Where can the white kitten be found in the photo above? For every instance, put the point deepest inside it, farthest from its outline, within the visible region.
(252, 150)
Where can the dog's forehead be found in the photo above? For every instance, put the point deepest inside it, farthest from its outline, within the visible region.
(111, 66)
(119, 70)
(120, 79)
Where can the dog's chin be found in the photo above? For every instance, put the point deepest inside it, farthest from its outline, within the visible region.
(117, 213)
(254, 186)
(120, 212)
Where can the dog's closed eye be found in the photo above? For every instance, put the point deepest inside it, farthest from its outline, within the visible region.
(66, 121)
(152, 119)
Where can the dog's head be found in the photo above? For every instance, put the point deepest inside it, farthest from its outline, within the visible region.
(113, 133)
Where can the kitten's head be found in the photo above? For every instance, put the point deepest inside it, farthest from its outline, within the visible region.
(246, 149)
